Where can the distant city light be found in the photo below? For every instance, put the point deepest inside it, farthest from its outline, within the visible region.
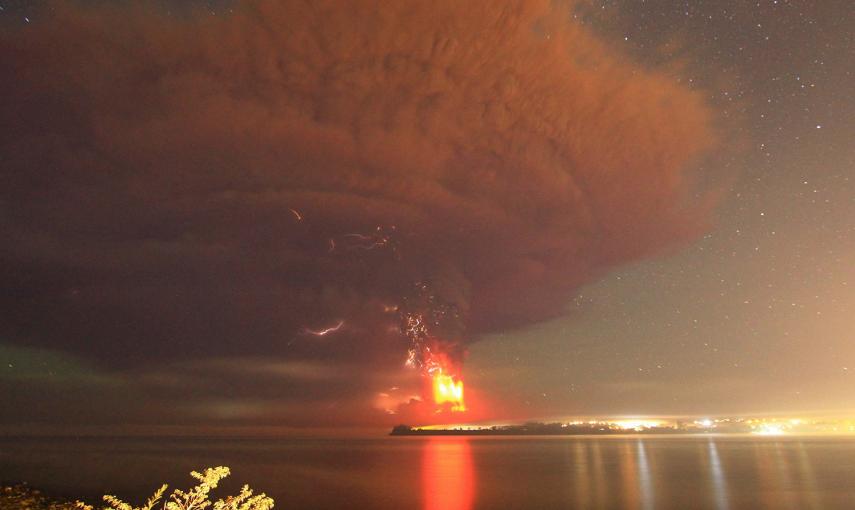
(637, 424)
(769, 429)
(759, 426)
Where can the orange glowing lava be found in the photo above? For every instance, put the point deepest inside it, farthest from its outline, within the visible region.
(448, 391)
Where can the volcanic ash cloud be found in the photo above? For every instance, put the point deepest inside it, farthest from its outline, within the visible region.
(195, 185)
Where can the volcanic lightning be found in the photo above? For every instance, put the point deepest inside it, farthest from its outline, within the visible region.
(382, 237)
(428, 352)
(325, 331)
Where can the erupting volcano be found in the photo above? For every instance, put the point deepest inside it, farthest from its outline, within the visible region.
(329, 188)
(447, 388)
(448, 391)
(426, 319)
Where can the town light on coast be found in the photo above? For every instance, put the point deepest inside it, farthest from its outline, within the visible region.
(637, 424)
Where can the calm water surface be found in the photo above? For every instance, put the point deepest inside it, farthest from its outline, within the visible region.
(458, 473)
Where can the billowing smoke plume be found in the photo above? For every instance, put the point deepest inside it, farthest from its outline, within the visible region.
(197, 185)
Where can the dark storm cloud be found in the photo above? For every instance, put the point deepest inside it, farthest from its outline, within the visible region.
(154, 169)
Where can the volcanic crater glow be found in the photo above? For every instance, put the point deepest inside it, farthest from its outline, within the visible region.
(448, 391)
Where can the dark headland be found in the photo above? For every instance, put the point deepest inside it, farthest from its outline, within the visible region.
(530, 429)
(22, 496)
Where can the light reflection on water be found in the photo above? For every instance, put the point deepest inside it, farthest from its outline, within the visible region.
(645, 486)
(630, 488)
(812, 501)
(719, 483)
(582, 472)
(448, 478)
(459, 473)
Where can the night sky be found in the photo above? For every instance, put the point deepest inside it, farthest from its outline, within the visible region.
(757, 315)
(607, 208)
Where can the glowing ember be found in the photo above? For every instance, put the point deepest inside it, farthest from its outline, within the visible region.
(448, 391)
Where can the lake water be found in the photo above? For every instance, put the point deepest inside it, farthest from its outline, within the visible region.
(459, 473)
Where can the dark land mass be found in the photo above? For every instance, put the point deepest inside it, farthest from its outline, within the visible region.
(533, 429)
(24, 497)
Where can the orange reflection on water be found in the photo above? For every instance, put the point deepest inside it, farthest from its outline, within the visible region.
(629, 476)
(448, 477)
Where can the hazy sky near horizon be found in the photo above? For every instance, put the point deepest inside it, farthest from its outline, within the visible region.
(757, 315)
(622, 207)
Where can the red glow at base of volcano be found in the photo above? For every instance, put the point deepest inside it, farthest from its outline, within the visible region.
(448, 391)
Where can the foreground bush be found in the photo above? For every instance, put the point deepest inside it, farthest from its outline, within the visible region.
(195, 498)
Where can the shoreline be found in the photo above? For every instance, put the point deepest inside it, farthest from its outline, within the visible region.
(16, 496)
